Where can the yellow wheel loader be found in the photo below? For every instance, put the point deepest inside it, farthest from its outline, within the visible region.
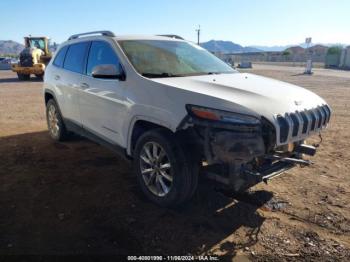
(33, 59)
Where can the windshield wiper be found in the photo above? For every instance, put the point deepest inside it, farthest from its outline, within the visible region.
(203, 73)
(160, 75)
(154, 75)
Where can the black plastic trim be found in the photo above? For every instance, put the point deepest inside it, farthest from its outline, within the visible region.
(78, 129)
(306, 122)
(284, 128)
(295, 124)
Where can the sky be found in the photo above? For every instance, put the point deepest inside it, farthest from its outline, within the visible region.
(246, 22)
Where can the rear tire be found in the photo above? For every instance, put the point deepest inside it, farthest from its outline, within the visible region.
(23, 77)
(57, 129)
(166, 175)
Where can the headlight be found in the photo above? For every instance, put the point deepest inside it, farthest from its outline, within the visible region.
(222, 116)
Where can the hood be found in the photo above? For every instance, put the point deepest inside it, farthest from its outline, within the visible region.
(266, 97)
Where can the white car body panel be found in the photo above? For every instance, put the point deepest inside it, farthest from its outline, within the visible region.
(65, 85)
(102, 107)
(111, 107)
(249, 94)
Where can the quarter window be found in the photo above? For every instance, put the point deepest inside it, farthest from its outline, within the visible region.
(75, 58)
(59, 59)
(101, 53)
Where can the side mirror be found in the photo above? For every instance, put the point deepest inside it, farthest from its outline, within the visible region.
(108, 71)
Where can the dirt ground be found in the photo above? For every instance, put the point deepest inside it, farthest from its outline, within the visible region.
(79, 198)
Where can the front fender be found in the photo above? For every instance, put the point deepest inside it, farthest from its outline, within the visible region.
(163, 123)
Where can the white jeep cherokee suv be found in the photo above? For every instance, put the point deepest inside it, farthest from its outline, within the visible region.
(175, 109)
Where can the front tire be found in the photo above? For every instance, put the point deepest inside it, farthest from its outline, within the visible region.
(164, 170)
(55, 122)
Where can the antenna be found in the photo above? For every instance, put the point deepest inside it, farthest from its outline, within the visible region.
(198, 33)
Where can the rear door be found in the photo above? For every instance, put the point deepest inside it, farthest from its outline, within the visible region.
(70, 79)
(56, 75)
(101, 101)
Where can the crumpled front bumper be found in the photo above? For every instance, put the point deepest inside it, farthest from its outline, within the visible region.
(248, 153)
(233, 147)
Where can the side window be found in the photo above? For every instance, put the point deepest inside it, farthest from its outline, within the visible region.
(59, 59)
(75, 58)
(101, 53)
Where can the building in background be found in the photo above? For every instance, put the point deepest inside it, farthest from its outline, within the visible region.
(345, 58)
(331, 57)
(293, 54)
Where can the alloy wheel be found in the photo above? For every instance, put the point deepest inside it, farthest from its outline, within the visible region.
(53, 121)
(156, 169)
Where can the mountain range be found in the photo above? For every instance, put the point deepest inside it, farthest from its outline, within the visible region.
(227, 47)
(12, 47)
(275, 48)
(230, 47)
(278, 48)
(9, 47)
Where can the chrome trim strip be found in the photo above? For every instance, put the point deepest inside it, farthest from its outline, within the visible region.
(290, 129)
(301, 123)
(308, 130)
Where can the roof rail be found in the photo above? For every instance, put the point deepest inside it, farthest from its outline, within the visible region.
(104, 33)
(173, 36)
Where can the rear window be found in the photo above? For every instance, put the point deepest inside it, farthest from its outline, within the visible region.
(75, 58)
(59, 59)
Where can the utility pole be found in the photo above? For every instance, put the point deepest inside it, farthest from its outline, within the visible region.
(198, 33)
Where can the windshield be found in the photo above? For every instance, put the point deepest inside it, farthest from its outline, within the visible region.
(159, 58)
(37, 42)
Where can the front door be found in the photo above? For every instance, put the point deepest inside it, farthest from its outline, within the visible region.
(101, 101)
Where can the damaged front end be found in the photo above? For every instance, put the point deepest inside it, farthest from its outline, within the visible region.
(239, 150)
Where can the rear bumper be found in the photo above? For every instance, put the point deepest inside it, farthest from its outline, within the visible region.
(36, 69)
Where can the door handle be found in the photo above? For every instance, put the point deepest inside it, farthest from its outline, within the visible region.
(84, 86)
(57, 77)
